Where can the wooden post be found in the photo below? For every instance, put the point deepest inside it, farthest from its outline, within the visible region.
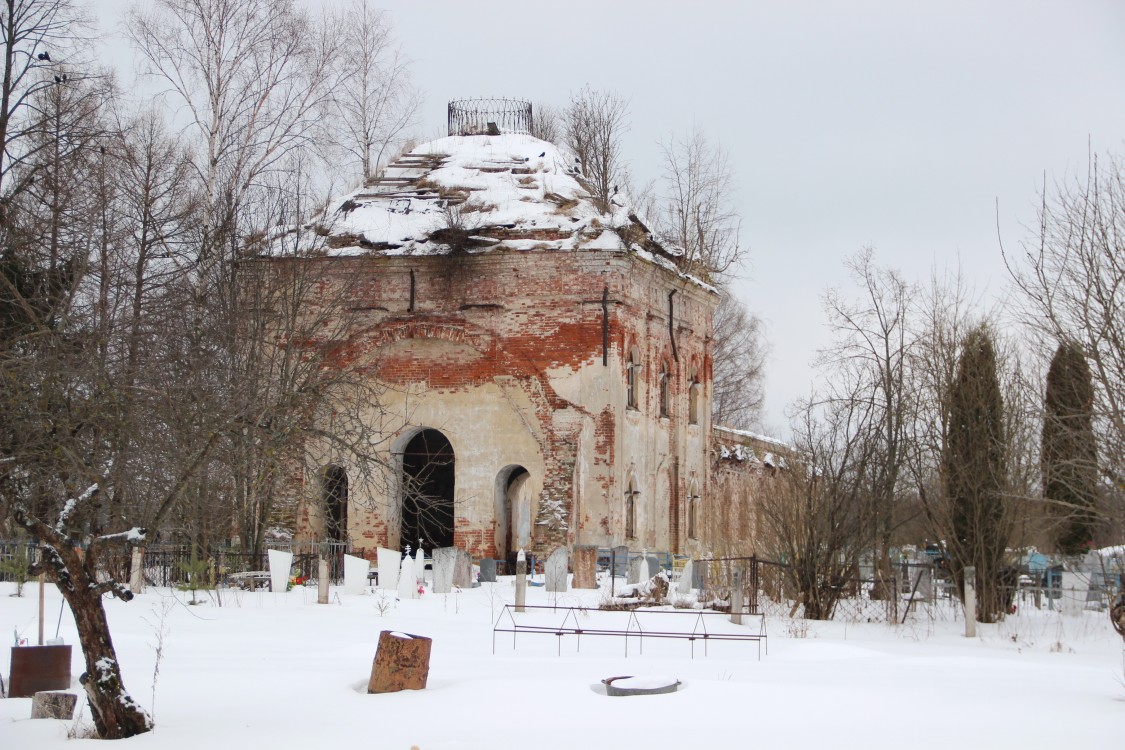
(42, 591)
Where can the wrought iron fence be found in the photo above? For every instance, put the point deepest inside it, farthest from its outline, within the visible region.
(489, 116)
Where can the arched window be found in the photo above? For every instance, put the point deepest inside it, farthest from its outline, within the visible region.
(695, 394)
(693, 513)
(631, 511)
(631, 369)
(665, 389)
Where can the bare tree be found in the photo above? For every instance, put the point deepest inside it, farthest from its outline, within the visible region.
(38, 36)
(739, 355)
(814, 516)
(1072, 282)
(697, 205)
(374, 102)
(548, 122)
(870, 360)
(594, 124)
(252, 79)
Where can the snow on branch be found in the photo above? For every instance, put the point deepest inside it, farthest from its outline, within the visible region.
(72, 503)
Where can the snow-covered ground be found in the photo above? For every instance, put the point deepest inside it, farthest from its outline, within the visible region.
(280, 671)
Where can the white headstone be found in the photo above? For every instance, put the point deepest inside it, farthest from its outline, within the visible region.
(407, 585)
(389, 562)
(683, 586)
(444, 560)
(1075, 586)
(280, 563)
(420, 565)
(643, 570)
(555, 570)
(355, 574)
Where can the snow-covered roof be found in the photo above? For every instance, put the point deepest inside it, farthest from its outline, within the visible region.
(482, 192)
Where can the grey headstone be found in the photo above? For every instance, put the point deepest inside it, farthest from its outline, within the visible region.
(925, 584)
(684, 585)
(634, 575)
(620, 561)
(654, 565)
(487, 570)
(53, 705)
(698, 576)
(444, 561)
(556, 569)
(463, 569)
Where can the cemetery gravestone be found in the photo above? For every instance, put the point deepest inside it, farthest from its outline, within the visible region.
(684, 585)
(444, 562)
(621, 561)
(355, 574)
(402, 661)
(407, 586)
(280, 563)
(389, 562)
(635, 570)
(585, 567)
(487, 570)
(463, 569)
(420, 564)
(556, 569)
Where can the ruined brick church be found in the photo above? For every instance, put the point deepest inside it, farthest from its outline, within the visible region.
(547, 363)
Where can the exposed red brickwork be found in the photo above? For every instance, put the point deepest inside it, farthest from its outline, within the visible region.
(522, 318)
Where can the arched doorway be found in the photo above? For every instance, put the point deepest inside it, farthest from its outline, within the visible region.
(427, 491)
(513, 512)
(334, 501)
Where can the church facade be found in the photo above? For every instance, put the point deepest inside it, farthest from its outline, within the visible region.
(544, 367)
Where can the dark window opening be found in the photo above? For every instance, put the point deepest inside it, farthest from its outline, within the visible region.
(427, 491)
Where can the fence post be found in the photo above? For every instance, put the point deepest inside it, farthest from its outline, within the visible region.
(754, 584)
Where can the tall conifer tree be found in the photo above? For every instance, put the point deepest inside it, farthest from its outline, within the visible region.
(974, 468)
(1070, 456)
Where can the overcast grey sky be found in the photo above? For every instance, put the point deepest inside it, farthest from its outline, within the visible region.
(896, 125)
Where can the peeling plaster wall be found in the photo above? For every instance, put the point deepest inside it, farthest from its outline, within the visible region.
(503, 353)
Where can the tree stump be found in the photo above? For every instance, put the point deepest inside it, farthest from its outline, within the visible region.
(402, 662)
(50, 705)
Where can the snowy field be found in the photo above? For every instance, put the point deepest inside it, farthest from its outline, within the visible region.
(280, 671)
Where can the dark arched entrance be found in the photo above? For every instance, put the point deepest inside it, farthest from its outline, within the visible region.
(334, 494)
(427, 491)
(512, 509)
